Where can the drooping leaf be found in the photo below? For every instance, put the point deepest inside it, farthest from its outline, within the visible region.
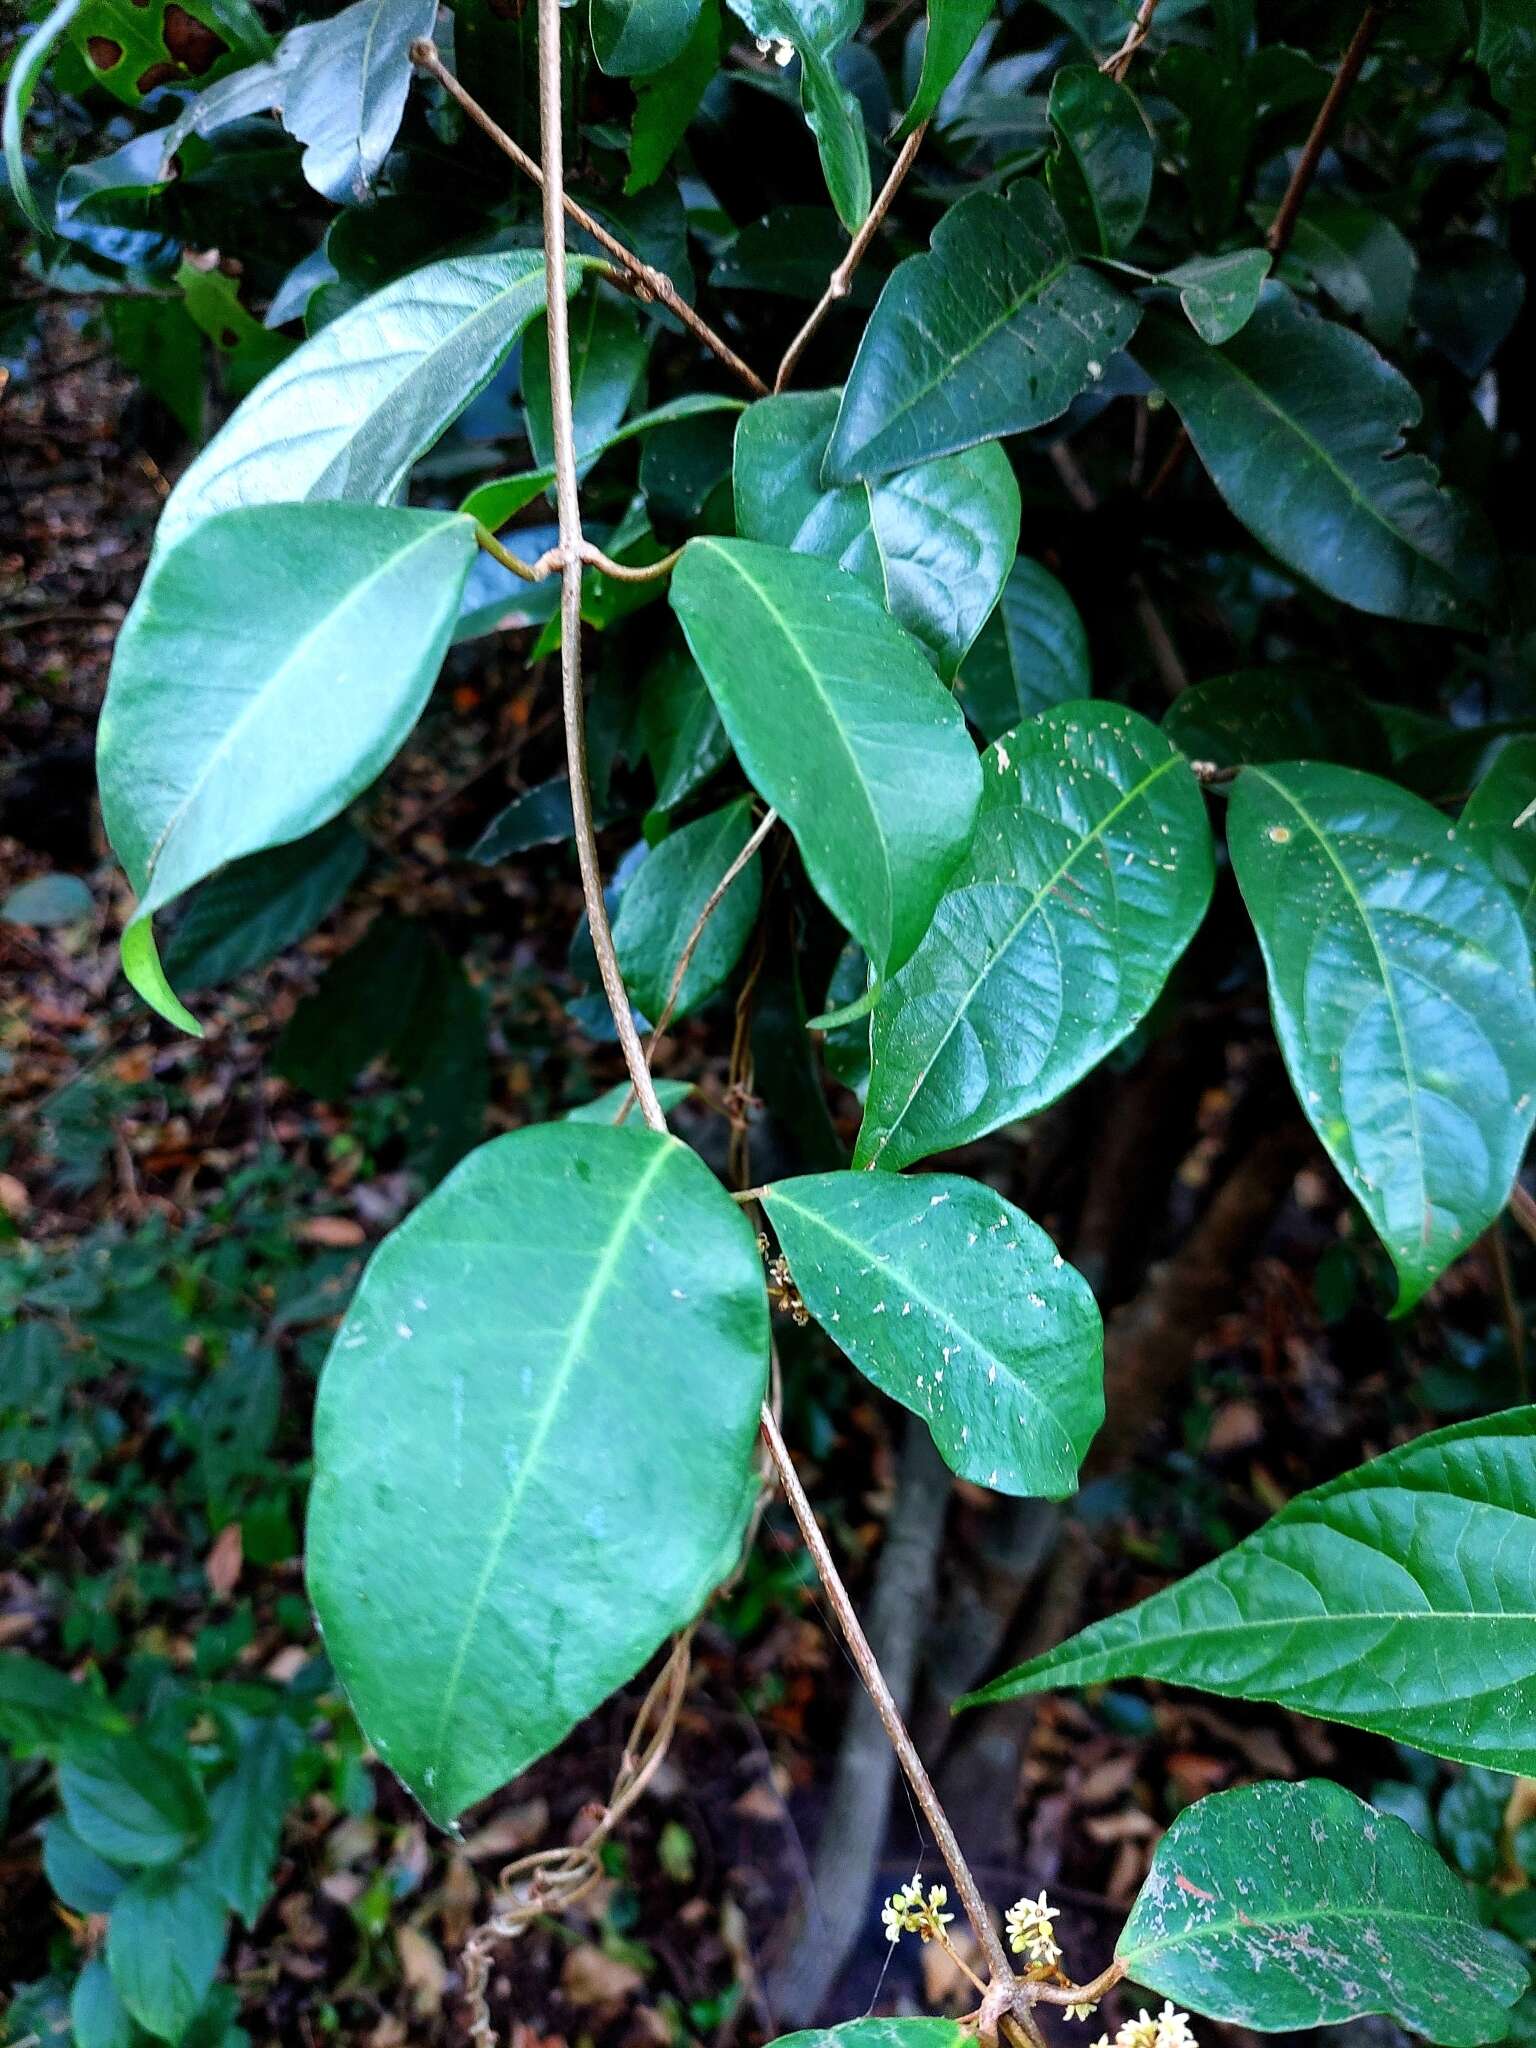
(348, 413)
(1286, 1906)
(1299, 402)
(1276, 714)
(27, 67)
(1089, 872)
(1220, 293)
(952, 28)
(1101, 177)
(258, 89)
(1362, 260)
(817, 30)
(662, 903)
(472, 1381)
(256, 908)
(164, 1942)
(997, 329)
(131, 1803)
(328, 621)
(633, 37)
(1500, 822)
(935, 541)
(667, 100)
(841, 725)
(608, 358)
(1031, 655)
(347, 82)
(247, 1810)
(680, 728)
(1398, 1598)
(959, 1307)
(1400, 985)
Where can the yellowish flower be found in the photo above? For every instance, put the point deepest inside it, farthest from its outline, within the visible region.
(1083, 2010)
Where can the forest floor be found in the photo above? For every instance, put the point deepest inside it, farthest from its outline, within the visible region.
(118, 1131)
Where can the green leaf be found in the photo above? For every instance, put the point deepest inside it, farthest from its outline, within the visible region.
(98, 2017)
(164, 1942)
(247, 351)
(661, 905)
(666, 101)
(1399, 1598)
(952, 28)
(879, 2034)
(1363, 262)
(131, 1803)
(541, 816)
(790, 253)
(608, 358)
(47, 901)
(256, 908)
(959, 1307)
(347, 414)
(818, 29)
(1101, 179)
(1090, 870)
(1287, 1906)
(27, 67)
(266, 622)
(84, 1881)
(258, 89)
(247, 1809)
(348, 79)
(841, 725)
(159, 342)
(935, 542)
(1500, 823)
(1220, 293)
(604, 1109)
(680, 728)
(1276, 714)
(1400, 984)
(1296, 399)
(633, 37)
(1031, 655)
(529, 1523)
(995, 330)
(1506, 49)
(132, 49)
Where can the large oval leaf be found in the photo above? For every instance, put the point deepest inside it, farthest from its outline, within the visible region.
(996, 329)
(959, 1307)
(533, 1446)
(1400, 1598)
(632, 37)
(662, 904)
(1090, 870)
(1500, 821)
(1285, 1906)
(841, 725)
(1276, 714)
(346, 80)
(164, 1941)
(1101, 178)
(1031, 655)
(347, 414)
(935, 542)
(1400, 983)
(1300, 423)
(271, 666)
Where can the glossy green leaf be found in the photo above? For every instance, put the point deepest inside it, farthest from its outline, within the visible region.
(1101, 178)
(485, 1550)
(1276, 714)
(680, 728)
(258, 89)
(959, 1307)
(1362, 260)
(841, 725)
(247, 352)
(246, 1810)
(632, 37)
(935, 542)
(256, 908)
(541, 816)
(1297, 398)
(817, 30)
(997, 329)
(908, 2033)
(98, 2017)
(348, 78)
(608, 358)
(952, 28)
(1400, 985)
(1090, 870)
(1286, 1906)
(164, 1942)
(131, 1803)
(662, 903)
(325, 620)
(348, 413)
(667, 100)
(1400, 1598)
(158, 341)
(1219, 294)
(1031, 655)
(791, 252)
(132, 47)
(604, 1109)
(1500, 822)
(28, 66)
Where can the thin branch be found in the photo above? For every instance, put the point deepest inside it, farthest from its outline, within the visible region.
(649, 282)
(567, 500)
(1116, 67)
(966, 1888)
(1078, 1994)
(841, 280)
(531, 572)
(1523, 1208)
(630, 572)
(553, 559)
(1283, 226)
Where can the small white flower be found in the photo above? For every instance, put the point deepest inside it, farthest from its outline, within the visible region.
(1172, 2029)
(1083, 2010)
(1028, 1922)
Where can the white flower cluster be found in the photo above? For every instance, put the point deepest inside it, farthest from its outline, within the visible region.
(909, 1911)
(782, 53)
(1028, 1922)
(1169, 2030)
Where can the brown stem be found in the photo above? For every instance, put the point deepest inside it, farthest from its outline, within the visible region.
(966, 1889)
(1078, 1994)
(1117, 66)
(1283, 226)
(569, 507)
(1523, 1208)
(841, 280)
(649, 282)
